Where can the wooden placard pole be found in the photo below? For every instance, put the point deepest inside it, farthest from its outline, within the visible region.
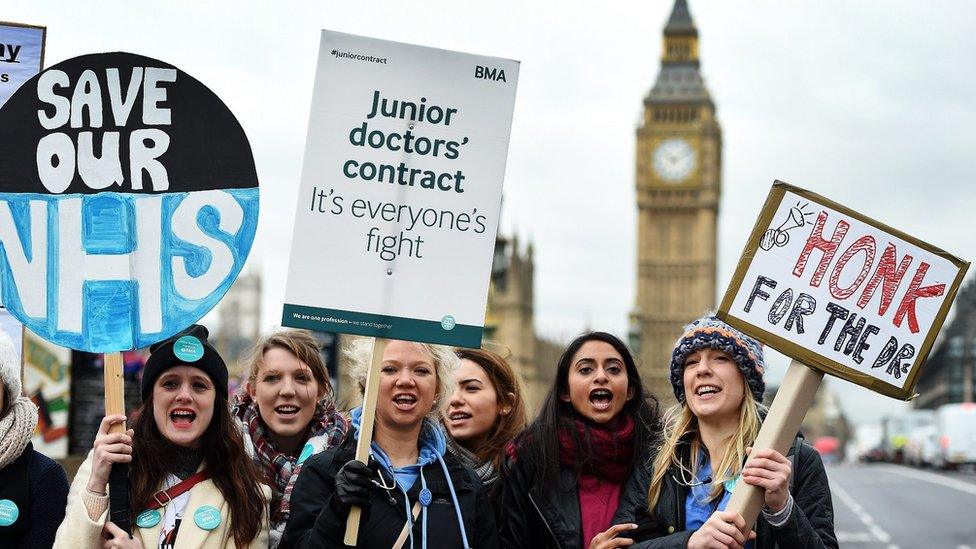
(785, 415)
(119, 511)
(366, 430)
(114, 390)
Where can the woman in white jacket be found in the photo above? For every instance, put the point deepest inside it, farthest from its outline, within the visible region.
(193, 484)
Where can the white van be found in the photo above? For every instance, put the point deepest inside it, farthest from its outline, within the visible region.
(923, 449)
(956, 424)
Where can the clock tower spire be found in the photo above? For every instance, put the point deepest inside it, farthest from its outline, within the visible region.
(678, 179)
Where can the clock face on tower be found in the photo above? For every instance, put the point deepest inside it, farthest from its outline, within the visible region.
(674, 159)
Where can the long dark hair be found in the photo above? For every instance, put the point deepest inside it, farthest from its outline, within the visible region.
(222, 445)
(540, 441)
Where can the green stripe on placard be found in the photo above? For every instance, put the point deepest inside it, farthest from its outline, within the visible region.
(446, 332)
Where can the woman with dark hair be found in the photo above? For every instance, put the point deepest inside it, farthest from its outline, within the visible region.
(484, 414)
(33, 487)
(564, 476)
(193, 485)
(288, 413)
(680, 501)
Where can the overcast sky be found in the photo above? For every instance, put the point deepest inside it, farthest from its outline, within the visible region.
(868, 103)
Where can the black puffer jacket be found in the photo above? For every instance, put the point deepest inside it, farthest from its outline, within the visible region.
(535, 516)
(810, 525)
(313, 524)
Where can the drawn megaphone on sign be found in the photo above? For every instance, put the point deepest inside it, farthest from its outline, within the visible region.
(780, 235)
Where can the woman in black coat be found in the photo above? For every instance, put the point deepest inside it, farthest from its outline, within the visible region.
(717, 377)
(567, 472)
(33, 487)
(412, 493)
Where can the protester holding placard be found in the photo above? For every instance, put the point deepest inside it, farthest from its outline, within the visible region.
(485, 412)
(566, 473)
(186, 457)
(33, 487)
(413, 493)
(288, 413)
(717, 376)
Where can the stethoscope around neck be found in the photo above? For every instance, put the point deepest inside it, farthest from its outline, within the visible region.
(690, 484)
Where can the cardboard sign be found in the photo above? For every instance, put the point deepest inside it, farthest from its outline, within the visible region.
(21, 56)
(128, 201)
(401, 191)
(841, 292)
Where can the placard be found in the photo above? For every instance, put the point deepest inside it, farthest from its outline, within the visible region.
(401, 191)
(841, 292)
(21, 56)
(128, 201)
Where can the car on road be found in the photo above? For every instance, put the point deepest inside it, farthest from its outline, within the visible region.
(956, 424)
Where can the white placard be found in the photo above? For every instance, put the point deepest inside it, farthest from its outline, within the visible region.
(21, 55)
(839, 291)
(401, 191)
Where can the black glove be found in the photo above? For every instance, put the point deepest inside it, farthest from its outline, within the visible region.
(353, 483)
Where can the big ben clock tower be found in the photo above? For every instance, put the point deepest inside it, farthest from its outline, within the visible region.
(679, 178)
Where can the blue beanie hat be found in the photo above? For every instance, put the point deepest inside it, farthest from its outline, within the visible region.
(708, 332)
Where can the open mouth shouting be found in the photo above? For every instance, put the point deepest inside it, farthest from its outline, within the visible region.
(404, 402)
(707, 392)
(182, 418)
(601, 399)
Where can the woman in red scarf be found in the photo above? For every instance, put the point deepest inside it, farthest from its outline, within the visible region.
(564, 475)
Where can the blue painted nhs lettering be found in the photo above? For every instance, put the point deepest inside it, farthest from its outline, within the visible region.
(169, 253)
(128, 202)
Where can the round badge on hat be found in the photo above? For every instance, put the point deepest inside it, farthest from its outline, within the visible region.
(188, 349)
(8, 512)
(207, 517)
(148, 518)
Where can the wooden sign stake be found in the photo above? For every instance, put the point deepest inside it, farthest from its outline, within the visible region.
(785, 415)
(114, 390)
(366, 430)
(118, 482)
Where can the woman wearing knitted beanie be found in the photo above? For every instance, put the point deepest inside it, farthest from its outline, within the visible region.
(717, 377)
(33, 487)
(568, 470)
(288, 413)
(484, 414)
(192, 483)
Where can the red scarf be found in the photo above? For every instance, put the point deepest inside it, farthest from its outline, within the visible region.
(615, 448)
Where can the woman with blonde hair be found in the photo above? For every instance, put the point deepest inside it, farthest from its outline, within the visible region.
(717, 377)
(287, 411)
(484, 413)
(412, 493)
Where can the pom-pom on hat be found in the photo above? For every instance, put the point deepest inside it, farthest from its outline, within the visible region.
(708, 332)
(187, 348)
(9, 366)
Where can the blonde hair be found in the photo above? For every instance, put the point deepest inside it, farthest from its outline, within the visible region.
(299, 343)
(359, 351)
(681, 426)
